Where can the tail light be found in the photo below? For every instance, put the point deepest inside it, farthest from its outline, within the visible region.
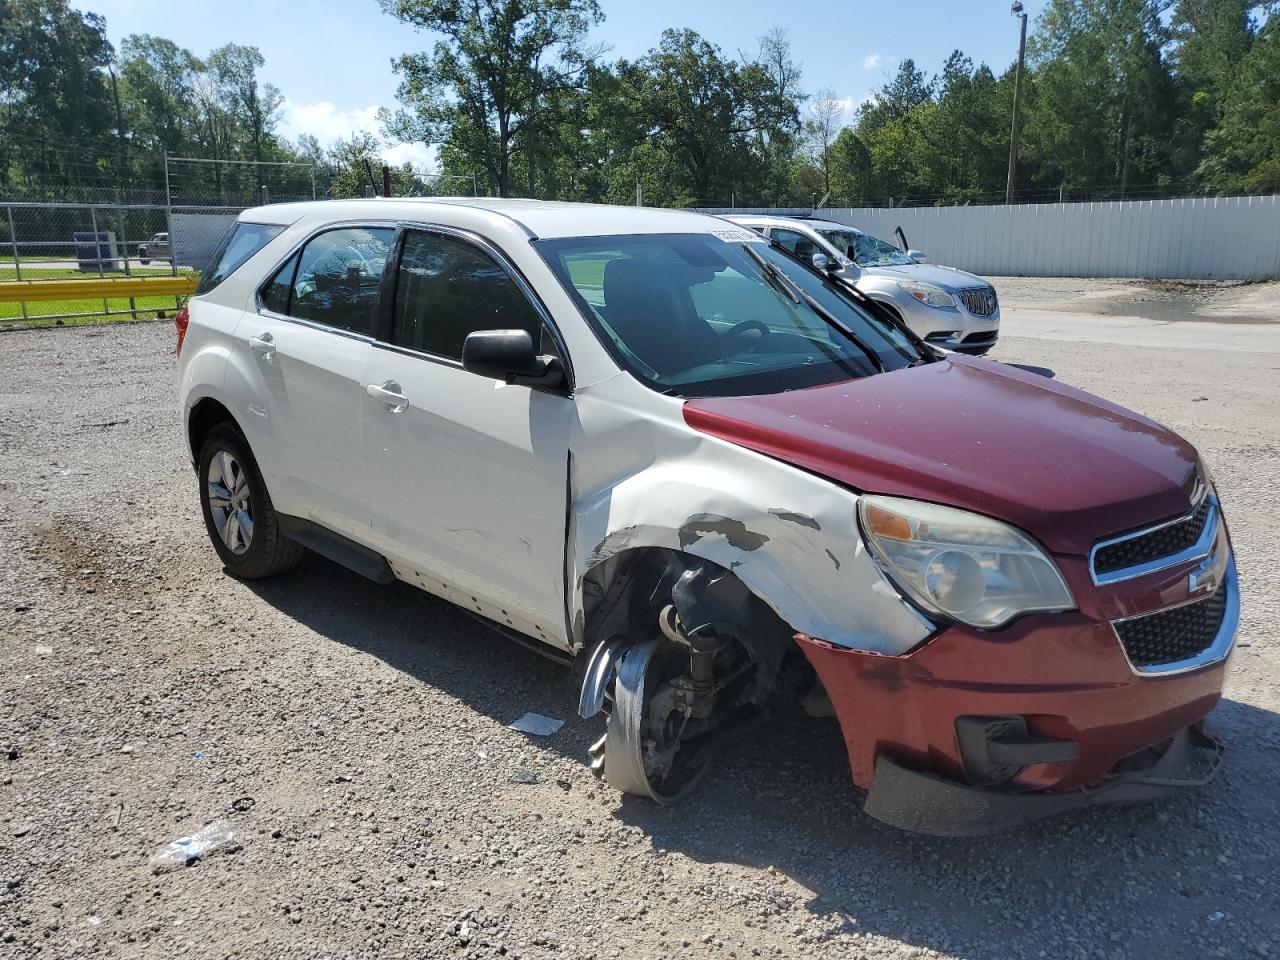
(180, 321)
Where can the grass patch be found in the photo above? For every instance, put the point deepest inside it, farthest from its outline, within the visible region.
(9, 272)
(47, 308)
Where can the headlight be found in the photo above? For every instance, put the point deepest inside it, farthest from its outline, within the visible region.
(964, 566)
(932, 296)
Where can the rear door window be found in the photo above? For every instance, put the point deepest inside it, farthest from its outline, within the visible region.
(448, 288)
(795, 242)
(243, 242)
(334, 281)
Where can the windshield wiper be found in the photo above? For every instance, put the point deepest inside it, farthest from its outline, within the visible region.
(775, 277)
(780, 281)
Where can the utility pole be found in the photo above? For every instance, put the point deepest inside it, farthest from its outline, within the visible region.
(1021, 14)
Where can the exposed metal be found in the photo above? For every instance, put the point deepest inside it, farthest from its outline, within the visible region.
(599, 676)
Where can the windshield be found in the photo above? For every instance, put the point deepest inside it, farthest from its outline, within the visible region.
(696, 315)
(865, 250)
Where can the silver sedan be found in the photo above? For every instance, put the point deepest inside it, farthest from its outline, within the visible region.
(947, 307)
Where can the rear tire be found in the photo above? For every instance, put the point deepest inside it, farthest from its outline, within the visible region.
(241, 522)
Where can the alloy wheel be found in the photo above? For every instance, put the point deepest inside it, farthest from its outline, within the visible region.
(230, 502)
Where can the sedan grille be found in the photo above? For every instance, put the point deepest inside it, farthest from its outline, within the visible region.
(1173, 635)
(1163, 541)
(980, 301)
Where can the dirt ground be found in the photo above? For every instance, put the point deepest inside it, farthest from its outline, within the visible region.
(355, 738)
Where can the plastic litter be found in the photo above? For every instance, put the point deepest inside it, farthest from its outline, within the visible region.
(44, 650)
(187, 850)
(537, 724)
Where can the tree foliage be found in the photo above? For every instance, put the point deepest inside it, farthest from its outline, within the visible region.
(1120, 98)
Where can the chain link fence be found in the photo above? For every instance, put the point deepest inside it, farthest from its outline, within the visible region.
(46, 242)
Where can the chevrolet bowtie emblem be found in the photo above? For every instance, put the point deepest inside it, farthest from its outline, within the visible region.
(1205, 577)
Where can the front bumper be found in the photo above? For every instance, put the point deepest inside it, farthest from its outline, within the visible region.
(952, 328)
(925, 803)
(1065, 675)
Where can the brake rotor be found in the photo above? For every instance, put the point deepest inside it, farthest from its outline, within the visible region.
(640, 749)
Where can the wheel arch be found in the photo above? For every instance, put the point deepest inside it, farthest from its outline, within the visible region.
(205, 414)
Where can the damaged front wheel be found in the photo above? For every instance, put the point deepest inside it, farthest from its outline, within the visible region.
(641, 751)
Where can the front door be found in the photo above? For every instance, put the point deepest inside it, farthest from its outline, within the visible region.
(466, 476)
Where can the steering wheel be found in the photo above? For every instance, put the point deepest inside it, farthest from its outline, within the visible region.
(738, 329)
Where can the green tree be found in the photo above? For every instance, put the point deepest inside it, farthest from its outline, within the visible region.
(705, 115)
(57, 119)
(157, 80)
(254, 105)
(484, 89)
(1241, 151)
(1104, 102)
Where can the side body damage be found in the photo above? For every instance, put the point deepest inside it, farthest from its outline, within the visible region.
(791, 538)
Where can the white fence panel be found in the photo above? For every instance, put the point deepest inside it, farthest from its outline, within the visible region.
(1193, 238)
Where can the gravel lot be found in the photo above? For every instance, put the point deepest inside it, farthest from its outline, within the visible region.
(355, 737)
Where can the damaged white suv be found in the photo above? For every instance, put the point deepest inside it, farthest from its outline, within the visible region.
(659, 445)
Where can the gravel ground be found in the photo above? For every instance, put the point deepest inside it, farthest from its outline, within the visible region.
(355, 738)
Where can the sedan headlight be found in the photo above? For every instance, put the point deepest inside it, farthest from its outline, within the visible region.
(930, 296)
(964, 566)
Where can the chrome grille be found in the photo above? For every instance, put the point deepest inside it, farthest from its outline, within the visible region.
(1174, 635)
(980, 301)
(1154, 544)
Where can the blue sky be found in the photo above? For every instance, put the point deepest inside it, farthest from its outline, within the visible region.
(332, 58)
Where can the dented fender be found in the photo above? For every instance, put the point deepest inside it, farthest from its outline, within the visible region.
(792, 538)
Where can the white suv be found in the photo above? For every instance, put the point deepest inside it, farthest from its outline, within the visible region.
(658, 446)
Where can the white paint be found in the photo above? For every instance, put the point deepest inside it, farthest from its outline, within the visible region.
(466, 490)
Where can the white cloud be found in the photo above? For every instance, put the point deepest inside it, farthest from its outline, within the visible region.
(850, 104)
(873, 60)
(418, 155)
(326, 122)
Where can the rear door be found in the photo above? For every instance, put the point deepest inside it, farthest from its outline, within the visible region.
(308, 344)
(466, 476)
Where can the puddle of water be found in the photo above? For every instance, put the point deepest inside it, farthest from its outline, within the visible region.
(1167, 309)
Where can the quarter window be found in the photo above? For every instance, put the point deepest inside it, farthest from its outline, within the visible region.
(244, 240)
(275, 296)
(448, 288)
(334, 281)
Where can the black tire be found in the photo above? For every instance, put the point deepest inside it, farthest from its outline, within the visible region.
(143, 261)
(265, 551)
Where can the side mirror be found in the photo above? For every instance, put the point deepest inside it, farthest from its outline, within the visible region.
(509, 356)
(824, 263)
(917, 256)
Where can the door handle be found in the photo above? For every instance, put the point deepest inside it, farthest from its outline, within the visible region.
(389, 395)
(264, 346)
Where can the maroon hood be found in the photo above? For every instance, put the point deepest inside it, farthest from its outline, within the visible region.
(1065, 466)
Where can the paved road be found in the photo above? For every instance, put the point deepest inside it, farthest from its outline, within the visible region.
(1079, 327)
